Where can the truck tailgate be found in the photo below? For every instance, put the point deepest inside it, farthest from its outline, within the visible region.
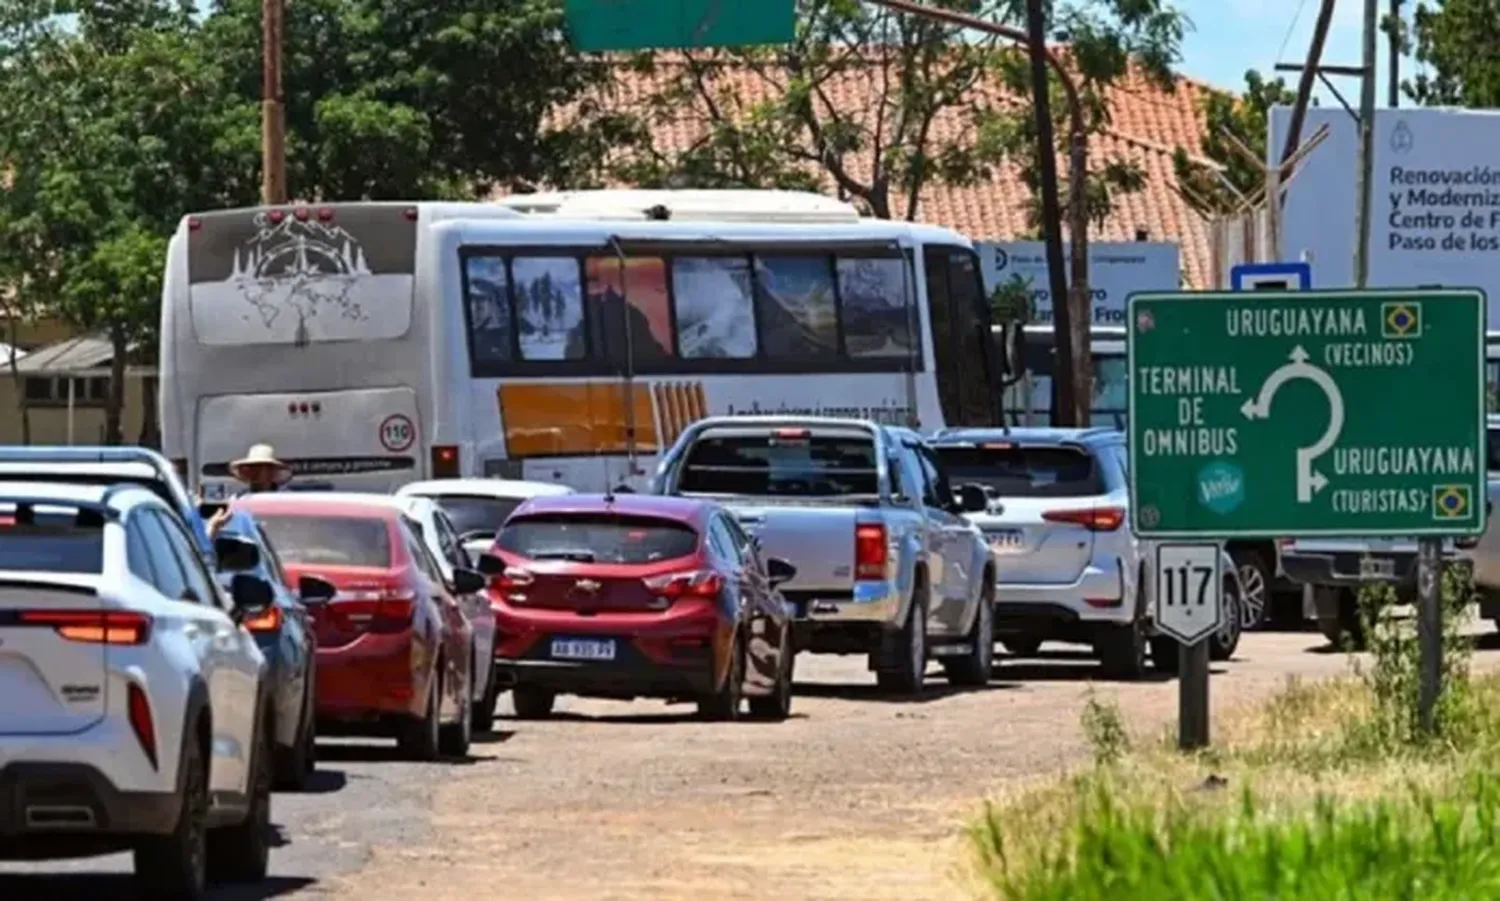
(818, 540)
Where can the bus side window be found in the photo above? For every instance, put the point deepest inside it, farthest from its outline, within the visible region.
(630, 310)
(955, 301)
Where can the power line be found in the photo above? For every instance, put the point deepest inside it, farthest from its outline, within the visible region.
(1287, 38)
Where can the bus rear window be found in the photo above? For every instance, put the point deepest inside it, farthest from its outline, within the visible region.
(329, 540)
(597, 538)
(1026, 471)
(768, 464)
(294, 275)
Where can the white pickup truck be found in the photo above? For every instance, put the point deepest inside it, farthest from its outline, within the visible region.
(887, 565)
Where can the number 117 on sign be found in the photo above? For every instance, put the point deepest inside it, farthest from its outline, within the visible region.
(1189, 599)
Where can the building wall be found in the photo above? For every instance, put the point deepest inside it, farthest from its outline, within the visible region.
(49, 424)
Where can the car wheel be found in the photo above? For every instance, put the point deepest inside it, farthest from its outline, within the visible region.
(1023, 647)
(910, 671)
(175, 865)
(420, 739)
(1255, 578)
(484, 708)
(454, 738)
(724, 705)
(974, 669)
(1226, 640)
(532, 703)
(242, 852)
(777, 706)
(295, 764)
(1122, 651)
(1345, 629)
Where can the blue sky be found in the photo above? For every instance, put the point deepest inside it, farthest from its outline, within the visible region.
(1231, 36)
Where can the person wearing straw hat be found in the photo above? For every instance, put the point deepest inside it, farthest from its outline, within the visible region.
(260, 471)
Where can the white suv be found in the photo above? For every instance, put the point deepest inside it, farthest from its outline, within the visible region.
(1068, 566)
(131, 705)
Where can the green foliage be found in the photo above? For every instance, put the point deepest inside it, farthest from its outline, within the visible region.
(1393, 674)
(877, 106)
(1457, 44)
(1230, 118)
(1411, 846)
(1104, 729)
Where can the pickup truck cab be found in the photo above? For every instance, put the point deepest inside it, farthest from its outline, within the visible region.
(886, 563)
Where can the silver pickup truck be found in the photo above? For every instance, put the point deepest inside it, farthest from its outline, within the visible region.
(887, 565)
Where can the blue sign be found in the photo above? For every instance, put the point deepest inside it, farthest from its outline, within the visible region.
(1295, 276)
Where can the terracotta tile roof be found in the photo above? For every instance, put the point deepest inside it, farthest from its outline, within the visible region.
(1147, 125)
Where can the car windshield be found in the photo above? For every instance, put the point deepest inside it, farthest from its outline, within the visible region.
(331, 540)
(1047, 471)
(53, 539)
(779, 463)
(597, 538)
(471, 513)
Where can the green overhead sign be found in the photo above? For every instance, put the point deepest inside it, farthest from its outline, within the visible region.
(1307, 413)
(606, 25)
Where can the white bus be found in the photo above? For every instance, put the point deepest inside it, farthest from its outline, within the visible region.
(569, 340)
(1028, 400)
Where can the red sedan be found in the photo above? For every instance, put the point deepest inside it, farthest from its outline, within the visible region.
(393, 644)
(638, 596)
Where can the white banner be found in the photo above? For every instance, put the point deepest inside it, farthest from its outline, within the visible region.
(1116, 270)
(1435, 211)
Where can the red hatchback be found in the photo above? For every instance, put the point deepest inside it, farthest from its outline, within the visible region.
(393, 644)
(630, 596)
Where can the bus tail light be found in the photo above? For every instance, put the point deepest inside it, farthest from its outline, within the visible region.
(444, 461)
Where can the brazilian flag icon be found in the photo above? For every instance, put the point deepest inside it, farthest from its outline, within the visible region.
(1451, 502)
(1401, 319)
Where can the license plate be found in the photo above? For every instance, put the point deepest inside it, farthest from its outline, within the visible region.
(1373, 568)
(582, 649)
(1010, 541)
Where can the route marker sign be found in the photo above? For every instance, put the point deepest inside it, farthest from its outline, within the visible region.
(1343, 413)
(606, 25)
(1189, 598)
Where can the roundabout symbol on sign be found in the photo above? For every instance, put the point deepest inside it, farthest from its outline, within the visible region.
(397, 433)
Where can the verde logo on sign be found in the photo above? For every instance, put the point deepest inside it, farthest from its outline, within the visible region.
(1221, 487)
(1350, 412)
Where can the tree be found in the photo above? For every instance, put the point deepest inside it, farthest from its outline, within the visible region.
(1244, 118)
(399, 101)
(1458, 43)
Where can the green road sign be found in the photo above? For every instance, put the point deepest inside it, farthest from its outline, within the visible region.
(1299, 414)
(603, 25)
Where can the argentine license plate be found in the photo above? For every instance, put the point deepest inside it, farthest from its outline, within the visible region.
(1007, 541)
(583, 649)
(1376, 568)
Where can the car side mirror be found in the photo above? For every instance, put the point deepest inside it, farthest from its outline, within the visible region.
(234, 554)
(467, 581)
(972, 498)
(315, 589)
(490, 565)
(252, 595)
(779, 571)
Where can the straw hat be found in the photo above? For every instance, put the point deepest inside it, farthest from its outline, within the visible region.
(261, 455)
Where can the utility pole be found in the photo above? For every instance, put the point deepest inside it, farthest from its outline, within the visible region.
(1366, 146)
(1063, 388)
(1393, 89)
(272, 112)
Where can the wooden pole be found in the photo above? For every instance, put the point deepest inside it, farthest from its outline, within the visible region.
(272, 114)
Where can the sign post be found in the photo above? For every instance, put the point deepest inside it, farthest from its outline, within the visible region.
(1189, 606)
(1300, 414)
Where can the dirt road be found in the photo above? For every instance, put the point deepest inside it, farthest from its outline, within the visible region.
(855, 798)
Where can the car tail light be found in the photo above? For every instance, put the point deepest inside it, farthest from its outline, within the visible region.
(1095, 519)
(870, 552)
(791, 434)
(267, 621)
(698, 583)
(444, 461)
(95, 626)
(141, 722)
(383, 610)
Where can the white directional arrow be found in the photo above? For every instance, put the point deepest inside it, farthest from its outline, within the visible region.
(1309, 480)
